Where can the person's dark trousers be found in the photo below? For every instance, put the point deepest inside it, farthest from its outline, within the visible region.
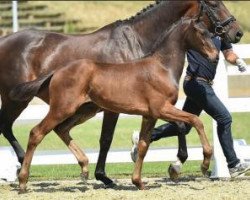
(201, 96)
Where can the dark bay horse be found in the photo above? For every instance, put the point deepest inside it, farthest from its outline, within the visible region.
(28, 54)
(147, 87)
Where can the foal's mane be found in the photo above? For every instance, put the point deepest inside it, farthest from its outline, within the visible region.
(161, 38)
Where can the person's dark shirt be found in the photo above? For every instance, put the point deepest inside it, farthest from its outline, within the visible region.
(198, 66)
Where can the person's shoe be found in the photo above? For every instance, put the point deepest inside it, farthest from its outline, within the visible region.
(239, 169)
(134, 150)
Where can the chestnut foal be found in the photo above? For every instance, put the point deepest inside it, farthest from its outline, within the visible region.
(147, 87)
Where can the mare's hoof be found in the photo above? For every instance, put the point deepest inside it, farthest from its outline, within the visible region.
(174, 171)
(84, 176)
(113, 184)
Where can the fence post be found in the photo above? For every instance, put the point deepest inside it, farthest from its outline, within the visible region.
(9, 164)
(221, 89)
(14, 16)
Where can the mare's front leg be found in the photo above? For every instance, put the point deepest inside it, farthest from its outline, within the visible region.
(108, 127)
(169, 113)
(143, 144)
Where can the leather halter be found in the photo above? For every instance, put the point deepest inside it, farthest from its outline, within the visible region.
(219, 27)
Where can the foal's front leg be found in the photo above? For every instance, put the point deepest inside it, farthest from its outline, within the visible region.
(170, 113)
(143, 144)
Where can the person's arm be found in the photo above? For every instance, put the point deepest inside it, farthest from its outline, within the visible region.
(232, 58)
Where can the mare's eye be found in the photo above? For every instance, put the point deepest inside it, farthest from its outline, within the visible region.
(213, 4)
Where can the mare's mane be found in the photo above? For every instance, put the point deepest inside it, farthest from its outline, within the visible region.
(142, 11)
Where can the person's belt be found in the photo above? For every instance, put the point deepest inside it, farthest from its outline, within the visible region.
(188, 78)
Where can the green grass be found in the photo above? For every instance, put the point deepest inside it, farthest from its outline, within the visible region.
(87, 135)
(124, 170)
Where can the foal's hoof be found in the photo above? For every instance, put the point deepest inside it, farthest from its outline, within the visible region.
(22, 191)
(84, 176)
(174, 171)
(139, 184)
(205, 172)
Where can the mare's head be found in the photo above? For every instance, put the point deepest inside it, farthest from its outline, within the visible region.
(198, 38)
(220, 21)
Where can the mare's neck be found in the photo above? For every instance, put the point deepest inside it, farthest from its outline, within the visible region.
(152, 23)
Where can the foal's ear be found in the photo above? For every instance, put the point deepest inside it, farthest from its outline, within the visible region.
(198, 18)
(197, 25)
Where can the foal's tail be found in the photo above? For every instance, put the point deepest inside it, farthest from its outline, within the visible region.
(26, 91)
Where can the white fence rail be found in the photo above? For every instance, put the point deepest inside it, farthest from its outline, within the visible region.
(37, 112)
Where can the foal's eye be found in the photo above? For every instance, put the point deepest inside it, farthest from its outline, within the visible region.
(202, 33)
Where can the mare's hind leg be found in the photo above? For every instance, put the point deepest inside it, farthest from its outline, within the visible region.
(143, 144)
(10, 110)
(108, 127)
(170, 113)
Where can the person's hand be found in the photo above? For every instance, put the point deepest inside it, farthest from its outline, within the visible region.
(241, 65)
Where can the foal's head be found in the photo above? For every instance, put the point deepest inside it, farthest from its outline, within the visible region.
(198, 38)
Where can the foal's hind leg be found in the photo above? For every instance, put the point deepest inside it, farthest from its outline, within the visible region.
(60, 110)
(85, 112)
(36, 136)
(10, 110)
(81, 157)
(143, 144)
(170, 113)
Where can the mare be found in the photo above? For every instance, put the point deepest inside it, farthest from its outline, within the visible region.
(147, 87)
(29, 54)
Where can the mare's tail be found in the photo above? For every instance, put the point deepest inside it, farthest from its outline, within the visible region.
(26, 91)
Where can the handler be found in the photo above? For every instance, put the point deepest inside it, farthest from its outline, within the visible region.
(201, 96)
